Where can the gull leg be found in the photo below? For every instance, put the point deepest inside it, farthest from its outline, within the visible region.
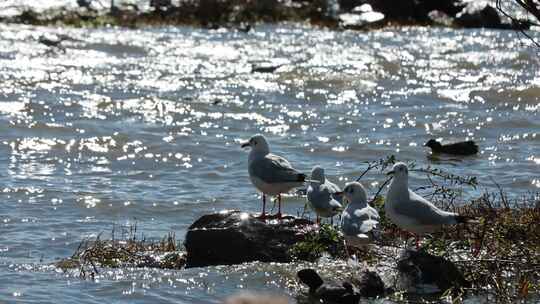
(279, 207)
(476, 247)
(346, 250)
(318, 220)
(263, 214)
(417, 240)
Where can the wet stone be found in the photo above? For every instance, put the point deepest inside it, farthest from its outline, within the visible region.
(418, 269)
(371, 285)
(234, 237)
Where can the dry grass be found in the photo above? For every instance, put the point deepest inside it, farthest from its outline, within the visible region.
(499, 255)
(128, 251)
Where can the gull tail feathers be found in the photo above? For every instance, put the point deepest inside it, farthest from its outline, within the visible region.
(303, 178)
(465, 219)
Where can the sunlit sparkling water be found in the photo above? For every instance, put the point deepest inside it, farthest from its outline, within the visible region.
(144, 126)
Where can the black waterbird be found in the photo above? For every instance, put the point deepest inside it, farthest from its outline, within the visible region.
(459, 148)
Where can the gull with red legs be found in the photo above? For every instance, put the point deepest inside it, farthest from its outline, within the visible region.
(271, 174)
(413, 213)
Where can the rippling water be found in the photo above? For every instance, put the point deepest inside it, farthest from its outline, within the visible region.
(143, 126)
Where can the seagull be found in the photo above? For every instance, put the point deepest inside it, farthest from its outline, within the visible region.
(328, 292)
(459, 148)
(322, 195)
(410, 211)
(269, 173)
(359, 220)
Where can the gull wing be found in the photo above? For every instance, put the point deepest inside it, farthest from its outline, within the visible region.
(275, 169)
(423, 211)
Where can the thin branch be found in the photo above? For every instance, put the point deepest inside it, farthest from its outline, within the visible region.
(531, 8)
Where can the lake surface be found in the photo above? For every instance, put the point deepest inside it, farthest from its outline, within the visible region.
(143, 126)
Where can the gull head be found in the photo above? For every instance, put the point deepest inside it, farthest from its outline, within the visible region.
(354, 192)
(317, 174)
(433, 144)
(400, 171)
(257, 143)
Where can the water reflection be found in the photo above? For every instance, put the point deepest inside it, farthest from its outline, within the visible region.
(143, 126)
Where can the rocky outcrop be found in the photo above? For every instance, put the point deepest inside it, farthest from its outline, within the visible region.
(234, 237)
(370, 285)
(361, 17)
(406, 10)
(418, 269)
(479, 14)
(440, 18)
(214, 14)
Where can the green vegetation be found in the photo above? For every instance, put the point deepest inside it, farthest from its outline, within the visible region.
(499, 256)
(129, 251)
(325, 240)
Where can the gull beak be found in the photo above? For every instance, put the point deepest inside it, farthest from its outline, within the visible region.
(244, 144)
(390, 173)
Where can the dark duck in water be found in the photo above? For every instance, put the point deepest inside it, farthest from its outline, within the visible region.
(328, 292)
(459, 148)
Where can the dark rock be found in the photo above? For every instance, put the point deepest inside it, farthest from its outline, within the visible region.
(440, 18)
(28, 17)
(160, 4)
(406, 10)
(371, 285)
(419, 267)
(448, 7)
(402, 10)
(265, 68)
(361, 17)
(347, 5)
(211, 11)
(234, 237)
(479, 14)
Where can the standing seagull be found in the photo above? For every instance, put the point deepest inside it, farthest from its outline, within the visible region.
(322, 195)
(410, 211)
(359, 219)
(269, 173)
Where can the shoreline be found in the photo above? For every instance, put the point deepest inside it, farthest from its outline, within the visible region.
(497, 258)
(213, 14)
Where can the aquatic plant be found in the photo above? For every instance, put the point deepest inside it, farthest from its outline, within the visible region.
(499, 256)
(131, 250)
(327, 239)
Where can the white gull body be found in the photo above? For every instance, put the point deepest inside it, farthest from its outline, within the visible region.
(269, 173)
(410, 211)
(359, 221)
(322, 194)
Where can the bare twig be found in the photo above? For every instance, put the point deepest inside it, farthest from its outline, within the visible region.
(531, 7)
